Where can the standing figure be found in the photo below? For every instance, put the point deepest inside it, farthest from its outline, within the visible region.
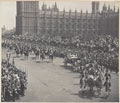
(107, 85)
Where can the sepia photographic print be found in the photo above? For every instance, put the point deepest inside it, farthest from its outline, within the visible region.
(59, 51)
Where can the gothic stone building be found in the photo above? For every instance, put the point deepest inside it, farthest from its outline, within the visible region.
(50, 21)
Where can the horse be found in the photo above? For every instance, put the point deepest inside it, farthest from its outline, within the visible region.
(21, 51)
(51, 57)
(82, 83)
(67, 60)
(107, 85)
(42, 56)
(17, 52)
(90, 83)
(46, 53)
(98, 84)
(36, 52)
(11, 47)
(95, 82)
(26, 53)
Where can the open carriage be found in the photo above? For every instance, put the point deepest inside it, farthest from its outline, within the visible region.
(70, 59)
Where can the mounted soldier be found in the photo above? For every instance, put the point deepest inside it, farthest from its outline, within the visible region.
(82, 83)
(107, 85)
(42, 55)
(17, 50)
(37, 53)
(51, 56)
(107, 75)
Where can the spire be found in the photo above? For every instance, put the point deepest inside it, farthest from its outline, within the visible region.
(81, 11)
(114, 8)
(81, 14)
(55, 5)
(108, 7)
(43, 6)
(69, 10)
(86, 12)
(64, 10)
(104, 8)
(104, 5)
(118, 10)
(75, 12)
(49, 7)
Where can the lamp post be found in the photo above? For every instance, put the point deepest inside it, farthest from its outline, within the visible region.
(8, 56)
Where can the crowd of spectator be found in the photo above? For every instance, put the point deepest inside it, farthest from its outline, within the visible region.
(14, 82)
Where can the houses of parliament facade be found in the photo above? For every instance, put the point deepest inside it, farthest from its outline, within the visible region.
(51, 21)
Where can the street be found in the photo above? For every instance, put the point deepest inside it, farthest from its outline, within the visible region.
(52, 82)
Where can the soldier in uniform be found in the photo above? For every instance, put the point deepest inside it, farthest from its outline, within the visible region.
(107, 85)
(107, 75)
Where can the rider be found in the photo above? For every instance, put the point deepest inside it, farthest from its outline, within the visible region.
(91, 71)
(107, 85)
(82, 71)
(82, 83)
(107, 75)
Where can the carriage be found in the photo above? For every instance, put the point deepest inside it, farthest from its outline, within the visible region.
(70, 59)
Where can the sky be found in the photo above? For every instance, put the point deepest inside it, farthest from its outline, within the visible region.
(8, 9)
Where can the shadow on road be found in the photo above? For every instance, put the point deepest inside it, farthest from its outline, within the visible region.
(22, 59)
(33, 58)
(42, 62)
(77, 84)
(77, 77)
(104, 97)
(67, 68)
(38, 62)
(86, 94)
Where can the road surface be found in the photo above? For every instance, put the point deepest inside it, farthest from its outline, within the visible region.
(52, 82)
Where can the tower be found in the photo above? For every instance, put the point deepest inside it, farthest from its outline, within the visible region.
(104, 9)
(44, 7)
(95, 7)
(26, 19)
(55, 7)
